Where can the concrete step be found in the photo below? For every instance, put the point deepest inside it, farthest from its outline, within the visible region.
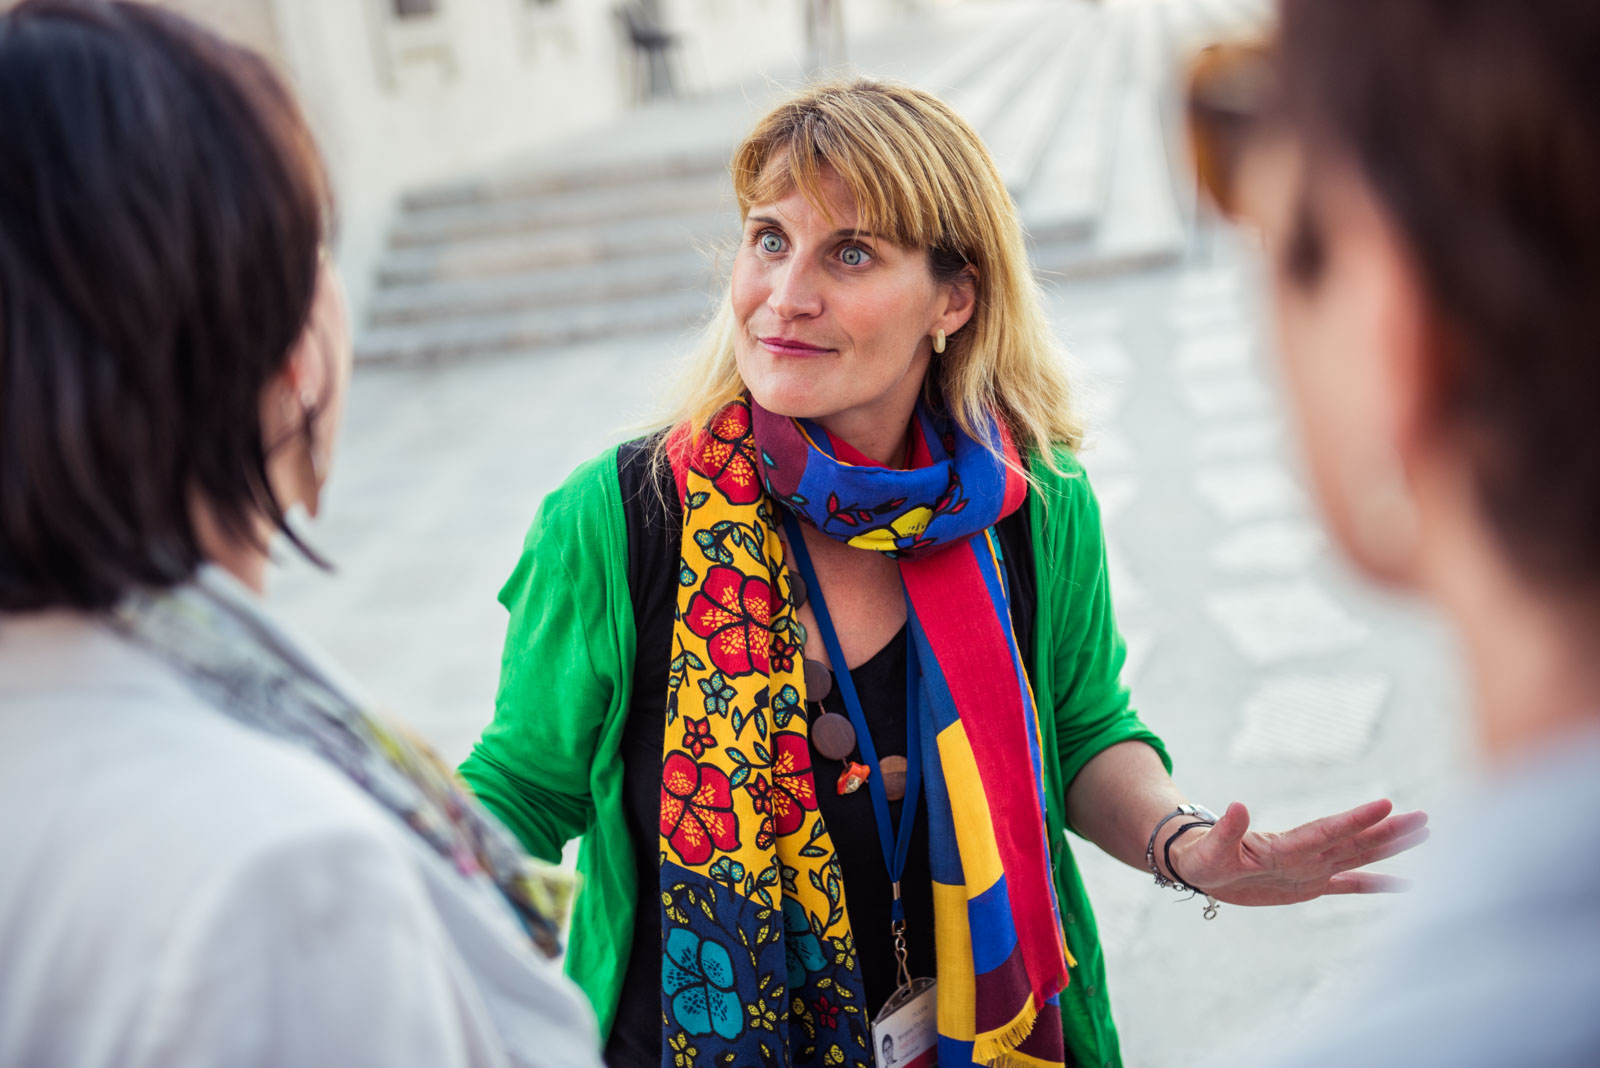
(589, 284)
(1021, 136)
(965, 65)
(646, 199)
(1141, 225)
(532, 259)
(555, 249)
(532, 185)
(982, 100)
(664, 314)
(1067, 195)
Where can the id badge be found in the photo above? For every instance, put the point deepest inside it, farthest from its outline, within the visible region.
(906, 1032)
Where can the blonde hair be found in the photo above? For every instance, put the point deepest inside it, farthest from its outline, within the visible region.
(921, 177)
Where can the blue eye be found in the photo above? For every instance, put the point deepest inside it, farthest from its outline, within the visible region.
(771, 243)
(854, 256)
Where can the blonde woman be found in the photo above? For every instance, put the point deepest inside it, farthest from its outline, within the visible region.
(823, 671)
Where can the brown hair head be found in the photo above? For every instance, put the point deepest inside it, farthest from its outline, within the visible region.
(1476, 123)
(162, 206)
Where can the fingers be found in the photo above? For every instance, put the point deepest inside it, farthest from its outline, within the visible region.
(1394, 835)
(1391, 848)
(1366, 882)
(1330, 832)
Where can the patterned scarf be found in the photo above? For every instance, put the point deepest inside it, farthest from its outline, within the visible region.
(235, 658)
(758, 956)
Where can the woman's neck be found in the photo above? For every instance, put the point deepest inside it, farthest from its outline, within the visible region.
(1535, 661)
(243, 560)
(881, 440)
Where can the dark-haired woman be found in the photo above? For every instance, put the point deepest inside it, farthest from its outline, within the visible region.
(1425, 175)
(212, 854)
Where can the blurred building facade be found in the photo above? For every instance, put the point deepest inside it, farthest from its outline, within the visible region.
(403, 93)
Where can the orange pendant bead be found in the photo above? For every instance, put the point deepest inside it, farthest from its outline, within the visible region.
(853, 776)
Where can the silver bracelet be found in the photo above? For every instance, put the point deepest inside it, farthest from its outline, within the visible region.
(1202, 815)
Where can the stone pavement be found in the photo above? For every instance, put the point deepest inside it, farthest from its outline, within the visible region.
(1276, 677)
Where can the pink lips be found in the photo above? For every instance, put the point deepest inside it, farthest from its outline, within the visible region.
(784, 346)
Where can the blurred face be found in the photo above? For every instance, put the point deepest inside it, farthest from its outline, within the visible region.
(835, 325)
(329, 335)
(1349, 323)
(315, 381)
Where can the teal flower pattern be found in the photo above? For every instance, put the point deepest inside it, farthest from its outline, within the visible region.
(802, 950)
(697, 974)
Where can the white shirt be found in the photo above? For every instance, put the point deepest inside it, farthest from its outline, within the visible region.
(1494, 960)
(177, 889)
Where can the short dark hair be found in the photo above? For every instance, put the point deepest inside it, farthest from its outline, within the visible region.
(1476, 124)
(162, 209)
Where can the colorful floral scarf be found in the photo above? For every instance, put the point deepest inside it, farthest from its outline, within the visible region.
(758, 956)
(252, 670)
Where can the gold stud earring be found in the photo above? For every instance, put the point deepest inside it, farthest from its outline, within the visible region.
(938, 341)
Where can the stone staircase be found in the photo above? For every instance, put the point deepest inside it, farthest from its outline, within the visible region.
(629, 234)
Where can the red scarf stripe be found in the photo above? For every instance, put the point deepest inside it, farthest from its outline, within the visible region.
(950, 595)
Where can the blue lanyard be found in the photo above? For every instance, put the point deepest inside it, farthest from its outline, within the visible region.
(894, 855)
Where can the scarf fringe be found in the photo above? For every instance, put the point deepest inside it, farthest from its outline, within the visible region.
(997, 1049)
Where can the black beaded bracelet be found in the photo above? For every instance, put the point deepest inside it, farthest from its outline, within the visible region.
(1206, 818)
(1203, 814)
(1166, 854)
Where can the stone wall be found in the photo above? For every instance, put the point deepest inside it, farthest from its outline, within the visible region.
(458, 87)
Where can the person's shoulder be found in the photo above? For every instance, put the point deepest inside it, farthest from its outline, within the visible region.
(209, 787)
(622, 488)
(582, 507)
(1061, 487)
(141, 744)
(199, 807)
(172, 810)
(605, 481)
(589, 485)
(1059, 470)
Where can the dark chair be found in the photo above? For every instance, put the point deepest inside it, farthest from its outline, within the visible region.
(654, 50)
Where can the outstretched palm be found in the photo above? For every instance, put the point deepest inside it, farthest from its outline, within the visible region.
(1235, 864)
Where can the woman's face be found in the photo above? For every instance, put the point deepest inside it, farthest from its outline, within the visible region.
(316, 381)
(330, 321)
(835, 325)
(1349, 324)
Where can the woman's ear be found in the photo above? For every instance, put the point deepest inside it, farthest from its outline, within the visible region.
(960, 301)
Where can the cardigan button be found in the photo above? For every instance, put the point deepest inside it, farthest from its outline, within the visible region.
(1072, 918)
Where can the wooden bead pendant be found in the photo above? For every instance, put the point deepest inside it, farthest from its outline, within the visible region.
(893, 770)
(833, 736)
(819, 680)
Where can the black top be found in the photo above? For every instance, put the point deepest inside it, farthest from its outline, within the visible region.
(654, 523)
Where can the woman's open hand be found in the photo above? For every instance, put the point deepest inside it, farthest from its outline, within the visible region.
(1232, 863)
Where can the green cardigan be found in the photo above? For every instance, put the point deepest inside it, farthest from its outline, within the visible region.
(549, 765)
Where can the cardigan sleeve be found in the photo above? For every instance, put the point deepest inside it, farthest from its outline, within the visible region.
(563, 668)
(1077, 626)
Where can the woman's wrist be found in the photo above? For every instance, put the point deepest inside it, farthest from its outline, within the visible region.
(1180, 844)
(1171, 838)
